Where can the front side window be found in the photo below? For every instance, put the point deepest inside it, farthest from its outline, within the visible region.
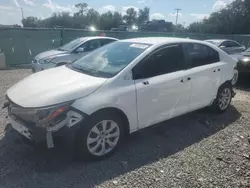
(110, 59)
(200, 55)
(71, 45)
(167, 60)
(90, 45)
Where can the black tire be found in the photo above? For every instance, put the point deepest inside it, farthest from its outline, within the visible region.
(81, 147)
(216, 104)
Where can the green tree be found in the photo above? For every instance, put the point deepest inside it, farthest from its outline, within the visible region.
(131, 16)
(30, 22)
(93, 18)
(110, 20)
(143, 15)
(82, 9)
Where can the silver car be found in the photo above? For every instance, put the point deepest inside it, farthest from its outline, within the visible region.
(68, 52)
(229, 46)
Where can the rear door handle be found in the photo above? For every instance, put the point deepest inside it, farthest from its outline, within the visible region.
(188, 79)
(145, 82)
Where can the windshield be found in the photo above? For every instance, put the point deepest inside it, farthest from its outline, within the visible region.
(71, 45)
(247, 50)
(110, 59)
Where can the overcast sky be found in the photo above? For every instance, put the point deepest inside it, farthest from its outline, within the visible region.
(192, 10)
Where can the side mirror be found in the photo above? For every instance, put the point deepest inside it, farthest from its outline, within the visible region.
(244, 47)
(80, 50)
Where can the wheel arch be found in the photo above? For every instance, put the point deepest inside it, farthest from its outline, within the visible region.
(118, 112)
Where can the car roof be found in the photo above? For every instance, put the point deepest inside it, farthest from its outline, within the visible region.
(217, 40)
(96, 37)
(160, 40)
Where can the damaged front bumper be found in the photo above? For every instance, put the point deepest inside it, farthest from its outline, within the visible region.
(38, 134)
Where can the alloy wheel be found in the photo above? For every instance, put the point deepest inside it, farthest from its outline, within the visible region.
(225, 98)
(103, 137)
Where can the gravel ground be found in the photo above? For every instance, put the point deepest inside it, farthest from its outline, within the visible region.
(200, 149)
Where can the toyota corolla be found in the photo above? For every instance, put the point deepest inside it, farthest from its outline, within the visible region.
(121, 88)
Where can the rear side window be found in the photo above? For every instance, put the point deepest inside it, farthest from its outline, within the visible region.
(225, 44)
(199, 55)
(106, 41)
(166, 60)
(233, 44)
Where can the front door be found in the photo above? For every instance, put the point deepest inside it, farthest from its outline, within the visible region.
(162, 86)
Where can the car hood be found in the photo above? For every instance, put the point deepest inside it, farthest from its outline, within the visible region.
(49, 53)
(53, 86)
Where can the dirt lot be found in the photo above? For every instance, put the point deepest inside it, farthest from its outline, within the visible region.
(200, 149)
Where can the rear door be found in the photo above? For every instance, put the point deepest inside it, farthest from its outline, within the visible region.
(162, 86)
(205, 74)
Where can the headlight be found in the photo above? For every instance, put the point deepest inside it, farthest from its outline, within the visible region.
(43, 116)
(245, 60)
(46, 60)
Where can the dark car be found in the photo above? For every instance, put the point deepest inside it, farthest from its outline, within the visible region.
(243, 58)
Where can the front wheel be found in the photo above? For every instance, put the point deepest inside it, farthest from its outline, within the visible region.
(100, 136)
(223, 99)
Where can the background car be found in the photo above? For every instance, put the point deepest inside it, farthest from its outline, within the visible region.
(243, 58)
(68, 52)
(230, 47)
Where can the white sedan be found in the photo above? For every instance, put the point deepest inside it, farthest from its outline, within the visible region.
(121, 88)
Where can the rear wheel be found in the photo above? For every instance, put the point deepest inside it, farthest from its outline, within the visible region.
(100, 136)
(235, 77)
(224, 98)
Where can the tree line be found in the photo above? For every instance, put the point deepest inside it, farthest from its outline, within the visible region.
(234, 19)
(85, 17)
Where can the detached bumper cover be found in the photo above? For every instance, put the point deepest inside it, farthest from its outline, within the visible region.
(36, 134)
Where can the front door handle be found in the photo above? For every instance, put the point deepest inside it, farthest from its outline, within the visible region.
(188, 79)
(145, 82)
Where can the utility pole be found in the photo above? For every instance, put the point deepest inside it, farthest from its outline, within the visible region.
(177, 14)
(22, 13)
